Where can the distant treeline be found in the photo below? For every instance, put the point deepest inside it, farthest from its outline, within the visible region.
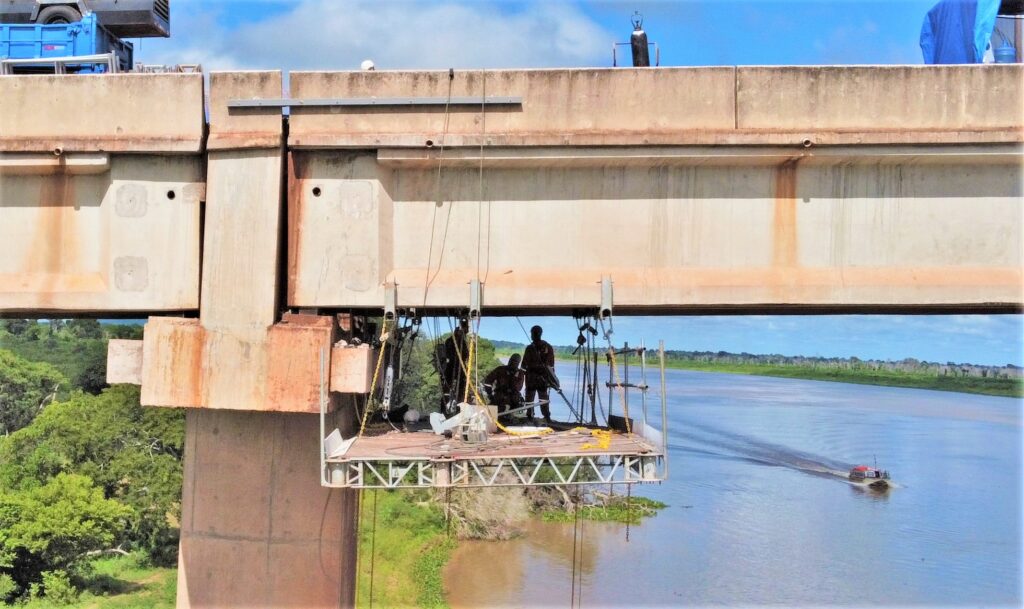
(907, 365)
(1005, 380)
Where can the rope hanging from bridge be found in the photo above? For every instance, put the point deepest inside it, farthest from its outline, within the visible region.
(373, 544)
(437, 187)
(575, 537)
(376, 374)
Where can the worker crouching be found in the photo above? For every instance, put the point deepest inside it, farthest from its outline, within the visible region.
(504, 386)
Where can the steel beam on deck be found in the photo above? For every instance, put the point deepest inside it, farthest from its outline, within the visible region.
(376, 102)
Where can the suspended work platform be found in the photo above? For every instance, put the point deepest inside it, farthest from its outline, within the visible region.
(423, 459)
(467, 449)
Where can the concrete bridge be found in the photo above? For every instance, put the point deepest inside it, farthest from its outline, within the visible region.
(241, 233)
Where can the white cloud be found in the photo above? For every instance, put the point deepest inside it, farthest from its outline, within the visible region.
(326, 34)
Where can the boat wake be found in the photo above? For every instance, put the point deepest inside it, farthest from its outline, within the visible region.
(711, 442)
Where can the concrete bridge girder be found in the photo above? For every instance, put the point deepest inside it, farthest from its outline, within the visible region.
(105, 233)
(673, 233)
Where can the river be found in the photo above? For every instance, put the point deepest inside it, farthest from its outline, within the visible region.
(755, 517)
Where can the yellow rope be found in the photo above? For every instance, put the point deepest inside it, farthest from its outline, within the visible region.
(376, 371)
(468, 368)
(604, 439)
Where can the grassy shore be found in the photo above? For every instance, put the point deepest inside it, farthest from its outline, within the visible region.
(615, 509)
(405, 548)
(121, 582)
(889, 378)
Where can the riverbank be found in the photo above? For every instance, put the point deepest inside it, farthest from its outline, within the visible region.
(405, 543)
(960, 384)
(403, 546)
(1001, 387)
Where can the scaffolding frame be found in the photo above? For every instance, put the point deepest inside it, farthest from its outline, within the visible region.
(487, 472)
(647, 463)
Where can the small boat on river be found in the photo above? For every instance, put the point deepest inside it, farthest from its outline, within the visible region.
(871, 477)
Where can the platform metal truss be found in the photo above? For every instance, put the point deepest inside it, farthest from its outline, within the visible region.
(496, 471)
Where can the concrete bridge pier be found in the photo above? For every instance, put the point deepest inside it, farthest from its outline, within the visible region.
(257, 528)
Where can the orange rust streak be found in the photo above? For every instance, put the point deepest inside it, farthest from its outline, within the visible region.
(784, 244)
(46, 283)
(293, 370)
(295, 202)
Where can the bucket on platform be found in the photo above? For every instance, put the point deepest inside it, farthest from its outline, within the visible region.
(1006, 53)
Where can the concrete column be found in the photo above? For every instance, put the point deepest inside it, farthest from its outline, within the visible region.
(257, 528)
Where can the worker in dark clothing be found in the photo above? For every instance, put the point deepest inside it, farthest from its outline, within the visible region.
(504, 386)
(451, 366)
(539, 362)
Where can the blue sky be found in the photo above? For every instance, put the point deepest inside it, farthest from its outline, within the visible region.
(993, 340)
(338, 35)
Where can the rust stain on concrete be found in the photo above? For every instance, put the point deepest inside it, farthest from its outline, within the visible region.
(293, 370)
(55, 239)
(295, 203)
(173, 362)
(784, 228)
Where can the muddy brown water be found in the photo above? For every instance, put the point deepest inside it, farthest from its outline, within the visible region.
(761, 515)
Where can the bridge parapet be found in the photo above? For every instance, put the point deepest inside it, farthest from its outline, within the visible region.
(721, 106)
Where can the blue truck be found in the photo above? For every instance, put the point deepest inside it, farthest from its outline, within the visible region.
(85, 38)
(76, 36)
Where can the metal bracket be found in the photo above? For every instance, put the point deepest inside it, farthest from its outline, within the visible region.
(605, 312)
(475, 298)
(376, 102)
(390, 301)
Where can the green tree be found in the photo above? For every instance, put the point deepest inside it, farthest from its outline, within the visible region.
(420, 387)
(83, 361)
(52, 527)
(127, 331)
(92, 377)
(85, 328)
(16, 326)
(132, 453)
(25, 389)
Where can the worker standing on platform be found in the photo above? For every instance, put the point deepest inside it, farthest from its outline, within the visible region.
(452, 366)
(504, 385)
(539, 362)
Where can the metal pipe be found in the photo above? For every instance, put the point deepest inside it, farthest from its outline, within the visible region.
(625, 392)
(633, 385)
(323, 412)
(664, 411)
(379, 102)
(643, 380)
(611, 393)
